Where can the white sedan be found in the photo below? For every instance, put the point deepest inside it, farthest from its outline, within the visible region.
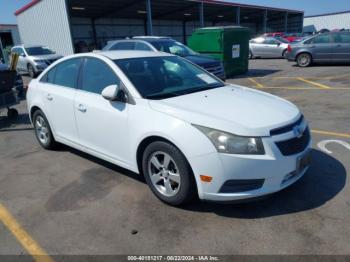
(165, 118)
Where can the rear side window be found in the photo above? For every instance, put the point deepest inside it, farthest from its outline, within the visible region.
(97, 75)
(67, 73)
(321, 39)
(142, 46)
(123, 46)
(270, 42)
(342, 38)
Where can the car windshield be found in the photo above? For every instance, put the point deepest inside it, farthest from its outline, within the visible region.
(39, 50)
(164, 77)
(173, 47)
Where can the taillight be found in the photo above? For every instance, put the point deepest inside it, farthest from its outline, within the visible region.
(289, 48)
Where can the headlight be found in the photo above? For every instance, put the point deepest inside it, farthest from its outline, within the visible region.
(231, 144)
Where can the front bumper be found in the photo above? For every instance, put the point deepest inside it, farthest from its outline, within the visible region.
(275, 170)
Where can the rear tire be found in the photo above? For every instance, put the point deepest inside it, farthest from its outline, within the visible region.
(168, 174)
(304, 60)
(43, 131)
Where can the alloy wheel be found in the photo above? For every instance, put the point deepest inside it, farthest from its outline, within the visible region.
(42, 130)
(164, 174)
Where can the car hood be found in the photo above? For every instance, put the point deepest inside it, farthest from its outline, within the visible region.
(202, 60)
(235, 109)
(47, 57)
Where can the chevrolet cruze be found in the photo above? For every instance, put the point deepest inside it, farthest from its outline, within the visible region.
(187, 132)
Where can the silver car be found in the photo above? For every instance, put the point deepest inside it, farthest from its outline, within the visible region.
(34, 59)
(322, 48)
(268, 47)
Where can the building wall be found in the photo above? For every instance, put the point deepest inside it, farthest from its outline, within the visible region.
(334, 21)
(46, 23)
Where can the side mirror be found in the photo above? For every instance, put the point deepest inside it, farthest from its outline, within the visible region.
(278, 44)
(114, 93)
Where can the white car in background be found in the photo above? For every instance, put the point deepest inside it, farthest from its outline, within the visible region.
(268, 47)
(33, 59)
(163, 117)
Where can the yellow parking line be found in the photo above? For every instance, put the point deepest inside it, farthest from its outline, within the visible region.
(23, 237)
(330, 133)
(256, 83)
(313, 83)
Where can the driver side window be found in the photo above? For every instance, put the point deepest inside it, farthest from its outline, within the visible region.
(97, 75)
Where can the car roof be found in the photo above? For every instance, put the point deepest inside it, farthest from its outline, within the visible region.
(125, 54)
(28, 46)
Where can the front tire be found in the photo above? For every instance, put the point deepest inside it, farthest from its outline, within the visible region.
(31, 71)
(43, 131)
(168, 173)
(304, 60)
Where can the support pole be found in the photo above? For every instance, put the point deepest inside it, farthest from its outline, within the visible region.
(286, 22)
(265, 22)
(94, 37)
(238, 15)
(184, 33)
(201, 14)
(149, 17)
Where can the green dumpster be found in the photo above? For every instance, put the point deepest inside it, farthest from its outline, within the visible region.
(229, 44)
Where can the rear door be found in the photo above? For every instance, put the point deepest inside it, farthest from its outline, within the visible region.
(59, 88)
(342, 47)
(321, 47)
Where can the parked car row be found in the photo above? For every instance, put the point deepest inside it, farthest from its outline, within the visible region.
(321, 48)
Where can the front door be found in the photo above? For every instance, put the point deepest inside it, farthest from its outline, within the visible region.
(102, 124)
(322, 47)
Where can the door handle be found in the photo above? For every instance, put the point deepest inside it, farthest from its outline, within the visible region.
(49, 97)
(81, 108)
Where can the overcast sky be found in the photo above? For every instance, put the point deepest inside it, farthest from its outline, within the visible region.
(311, 7)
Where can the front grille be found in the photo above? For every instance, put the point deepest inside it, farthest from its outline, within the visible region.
(287, 128)
(295, 145)
(215, 70)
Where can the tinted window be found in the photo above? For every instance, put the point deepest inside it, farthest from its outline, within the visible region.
(97, 75)
(142, 46)
(123, 46)
(67, 73)
(270, 42)
(173, 47)
(342, 38)
(49, 77)
(321, 39)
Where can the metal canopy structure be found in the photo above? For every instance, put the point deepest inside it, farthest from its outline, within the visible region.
(97, 21)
